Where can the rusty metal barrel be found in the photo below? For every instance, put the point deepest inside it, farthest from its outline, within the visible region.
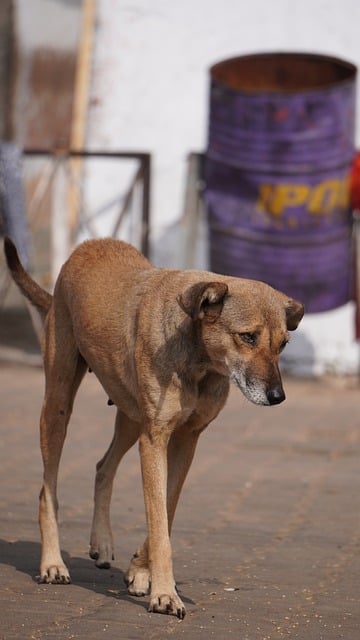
(277, 166)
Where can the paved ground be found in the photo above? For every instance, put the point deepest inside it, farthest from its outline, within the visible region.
(266, 540)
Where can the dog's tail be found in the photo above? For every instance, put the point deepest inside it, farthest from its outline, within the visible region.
(36, 295)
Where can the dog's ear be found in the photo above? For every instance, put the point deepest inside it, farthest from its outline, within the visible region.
(203, 300)
(294, 313)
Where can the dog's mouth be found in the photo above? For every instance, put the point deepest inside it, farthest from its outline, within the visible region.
(256, 391)
(253, 390)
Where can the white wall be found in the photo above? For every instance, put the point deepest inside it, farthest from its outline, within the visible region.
(150, 92)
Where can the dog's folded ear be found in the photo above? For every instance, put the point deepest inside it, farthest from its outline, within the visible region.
(294, 313)
(203, 300)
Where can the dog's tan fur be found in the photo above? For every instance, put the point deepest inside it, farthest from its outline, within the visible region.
(164, 345)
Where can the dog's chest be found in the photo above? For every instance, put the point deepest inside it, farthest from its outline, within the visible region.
(184, 397)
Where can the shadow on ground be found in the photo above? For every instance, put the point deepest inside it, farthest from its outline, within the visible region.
(24, 555)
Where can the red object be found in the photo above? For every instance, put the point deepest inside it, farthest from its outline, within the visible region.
(355, 204)
(355, 182)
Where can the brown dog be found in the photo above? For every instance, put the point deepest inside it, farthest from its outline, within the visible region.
(164, 345)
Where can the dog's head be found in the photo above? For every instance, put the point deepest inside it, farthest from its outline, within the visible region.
(244, 326)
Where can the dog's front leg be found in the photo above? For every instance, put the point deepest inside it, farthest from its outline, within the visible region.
(153, 454)
(181, 449)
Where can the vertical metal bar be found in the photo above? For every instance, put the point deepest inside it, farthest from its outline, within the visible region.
(146, 161)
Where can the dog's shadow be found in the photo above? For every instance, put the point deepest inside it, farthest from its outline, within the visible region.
(24, 556)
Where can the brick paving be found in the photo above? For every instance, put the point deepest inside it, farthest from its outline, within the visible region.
(266, 539)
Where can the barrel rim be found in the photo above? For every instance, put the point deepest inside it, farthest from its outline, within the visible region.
(345, 64)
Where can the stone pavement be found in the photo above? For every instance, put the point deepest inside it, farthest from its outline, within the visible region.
(267, 535)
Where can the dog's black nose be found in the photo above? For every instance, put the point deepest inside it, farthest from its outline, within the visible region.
(276, 395)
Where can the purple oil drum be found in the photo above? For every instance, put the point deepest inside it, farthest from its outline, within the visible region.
(277, 167)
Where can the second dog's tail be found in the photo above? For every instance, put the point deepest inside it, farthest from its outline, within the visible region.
(36, 295)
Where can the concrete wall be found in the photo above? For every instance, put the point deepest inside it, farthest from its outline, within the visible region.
(150, 91)
(46, 41)
(150, 78)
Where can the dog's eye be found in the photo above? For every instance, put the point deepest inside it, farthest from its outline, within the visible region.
(249, 338)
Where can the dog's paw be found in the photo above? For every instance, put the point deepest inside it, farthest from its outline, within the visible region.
(102, 554)
(169, 604)
(137, 577)
(55, 574)
(137, 580)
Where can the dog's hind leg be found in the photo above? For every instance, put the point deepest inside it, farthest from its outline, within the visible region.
(101, 541)
(64, 370)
